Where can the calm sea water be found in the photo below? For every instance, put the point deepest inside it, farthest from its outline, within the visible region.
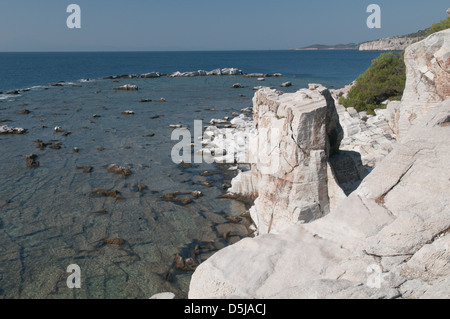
(331, 68)
(49, 218)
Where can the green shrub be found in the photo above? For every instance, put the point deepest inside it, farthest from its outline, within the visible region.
(385, 79)
(436, 27)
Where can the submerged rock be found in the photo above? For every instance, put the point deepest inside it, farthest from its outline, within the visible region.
(86, 169)
(141, 187)
(183, 200)
(185, 264)
(31, 161)
(114, 241)
(107, 193)
(197, 194)
(119, 170)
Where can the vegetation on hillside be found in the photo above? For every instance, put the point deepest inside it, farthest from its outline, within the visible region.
(385, 79)
(436, 27)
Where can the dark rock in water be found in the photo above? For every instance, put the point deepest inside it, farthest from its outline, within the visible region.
(96, 116)
(106, 193)
(25, 111)
(58, 84)
(114, 241)
(150, 135)
(197, 194)
(145, 100)
(99, 212)
(101, 148)
(56, 145)
(183, 200)
(170, 196)
(31, 161)
(86, 169)
(13, 92)
(141, 187)
(41, 145)
(206, 184)
(207, 173)
(179, 262)
(225, 186)
(168, 276)
(185, 165)
(234, 219)
(119, 170)
(185, 264)
(155, 117)
(4, 202)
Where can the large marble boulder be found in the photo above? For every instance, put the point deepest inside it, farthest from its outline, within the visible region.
(388, 239)
(296, 134)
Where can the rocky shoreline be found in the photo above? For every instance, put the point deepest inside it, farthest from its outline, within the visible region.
(389, 44)
(149, 75)
(378, 222)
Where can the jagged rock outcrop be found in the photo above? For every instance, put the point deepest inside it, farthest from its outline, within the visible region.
(388, 44)
(296, 134)
(427, 81)
(225, 71)
(388, 239)
(4, 129)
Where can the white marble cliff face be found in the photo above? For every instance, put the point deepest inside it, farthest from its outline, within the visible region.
(428, 78)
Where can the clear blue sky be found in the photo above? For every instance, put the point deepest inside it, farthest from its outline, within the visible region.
(118, 25)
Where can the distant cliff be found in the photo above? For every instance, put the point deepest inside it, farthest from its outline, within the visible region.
(388, 44)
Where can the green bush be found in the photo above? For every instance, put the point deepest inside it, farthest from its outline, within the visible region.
(385, 79)
(436, 27)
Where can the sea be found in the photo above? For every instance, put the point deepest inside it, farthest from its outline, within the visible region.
(53, 219)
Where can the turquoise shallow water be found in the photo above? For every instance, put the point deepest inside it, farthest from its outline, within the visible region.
(48, 215)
